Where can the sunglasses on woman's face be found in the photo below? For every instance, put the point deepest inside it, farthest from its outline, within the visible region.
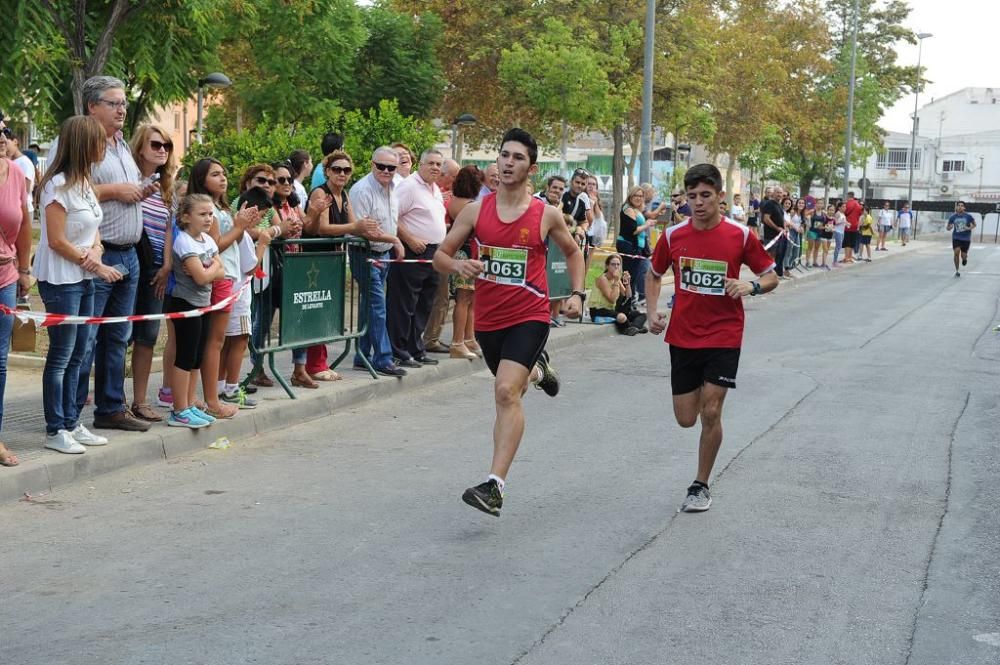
(346, 170)
(264, 181)
(161, 145)
(284, 181)
(385, 167)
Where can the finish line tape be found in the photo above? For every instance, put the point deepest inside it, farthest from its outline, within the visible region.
(47, 319)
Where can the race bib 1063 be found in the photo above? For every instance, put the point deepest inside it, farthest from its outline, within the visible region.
(703, 276)
(504, 265)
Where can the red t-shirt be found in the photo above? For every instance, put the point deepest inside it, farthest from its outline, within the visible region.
(513, 287)
(853, 212)
(703, 315)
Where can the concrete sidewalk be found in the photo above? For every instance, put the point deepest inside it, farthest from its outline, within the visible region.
(42, 470)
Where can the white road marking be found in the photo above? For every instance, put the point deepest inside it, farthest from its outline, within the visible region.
(993, 639)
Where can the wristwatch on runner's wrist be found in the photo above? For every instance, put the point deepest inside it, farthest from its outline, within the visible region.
(582, 294)
(754, 288)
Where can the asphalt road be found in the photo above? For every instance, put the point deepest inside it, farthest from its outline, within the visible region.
(855, 515)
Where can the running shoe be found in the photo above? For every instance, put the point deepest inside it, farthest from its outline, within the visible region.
(485, 497)
(164, 398)
(186, 418)
(958, 274)
(631, 331)
(698, 499)
(550, 380)
(201, 413)
(965, 261)
(240, 399)
(83, 435)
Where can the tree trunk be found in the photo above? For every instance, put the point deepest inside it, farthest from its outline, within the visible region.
(729, 179)
(630, 163)
(562, 146)
(617, 168)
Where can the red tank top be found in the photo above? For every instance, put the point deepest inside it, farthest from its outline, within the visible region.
(512, 288)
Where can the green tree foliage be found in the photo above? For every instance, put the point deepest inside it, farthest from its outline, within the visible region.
(268, 142)
(398, 61)
(290, 61)
(157, 48)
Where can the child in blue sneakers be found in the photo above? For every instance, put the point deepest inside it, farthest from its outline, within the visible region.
(196, 265)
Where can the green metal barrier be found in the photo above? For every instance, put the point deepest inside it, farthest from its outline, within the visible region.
(315, 299)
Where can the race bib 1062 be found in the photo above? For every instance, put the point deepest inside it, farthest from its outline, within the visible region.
(703, 276)
(504, 265)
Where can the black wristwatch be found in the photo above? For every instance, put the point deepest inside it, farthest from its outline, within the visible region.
(755, 288)
(582, 294)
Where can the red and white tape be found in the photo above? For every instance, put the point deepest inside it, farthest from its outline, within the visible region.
(47, 319)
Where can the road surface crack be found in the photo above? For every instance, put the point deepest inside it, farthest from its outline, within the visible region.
(937, 532)
(656, 536)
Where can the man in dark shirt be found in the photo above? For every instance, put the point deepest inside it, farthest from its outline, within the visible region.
(772, 218)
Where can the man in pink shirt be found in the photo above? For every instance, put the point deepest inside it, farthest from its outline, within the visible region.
(853, 211)
(411, 286)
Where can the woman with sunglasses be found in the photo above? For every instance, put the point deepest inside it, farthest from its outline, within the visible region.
(154, 155)
(329, 214)
(632, 225)
(287, 211)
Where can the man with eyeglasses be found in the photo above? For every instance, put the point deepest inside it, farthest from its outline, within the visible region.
(119, 188)
(374, 197)
(411, 286)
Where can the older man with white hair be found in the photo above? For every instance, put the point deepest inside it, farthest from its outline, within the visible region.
(442, 298)
(374, 197)
(412, 286)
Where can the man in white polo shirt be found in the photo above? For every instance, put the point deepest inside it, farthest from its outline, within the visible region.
(411, 286)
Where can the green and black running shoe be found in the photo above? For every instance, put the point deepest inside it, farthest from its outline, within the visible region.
(485, 497)
(550, 380)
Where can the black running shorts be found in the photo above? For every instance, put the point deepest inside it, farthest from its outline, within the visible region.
(961, 244)
(691, 368)
(522, 343)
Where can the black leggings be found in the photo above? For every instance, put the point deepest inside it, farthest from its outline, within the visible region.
(190, 335)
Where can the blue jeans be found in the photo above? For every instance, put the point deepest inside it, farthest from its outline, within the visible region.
(375, 344)
(107, 343)
(68, 349)
(8, 296)
(642, 267)
(838, 243)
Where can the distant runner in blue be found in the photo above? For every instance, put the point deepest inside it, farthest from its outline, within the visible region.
(961, 224)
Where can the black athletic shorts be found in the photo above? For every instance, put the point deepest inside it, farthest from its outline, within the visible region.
(961, 244)
(522, 343)
(690, 368)
(850, 237)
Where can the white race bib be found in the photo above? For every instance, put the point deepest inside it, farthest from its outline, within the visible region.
(504, 265)
(703, 276)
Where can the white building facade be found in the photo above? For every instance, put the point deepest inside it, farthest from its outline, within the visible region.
(957, 153)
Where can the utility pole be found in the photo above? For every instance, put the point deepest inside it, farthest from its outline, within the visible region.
(921, 36)
(850, 101)
(645, 148)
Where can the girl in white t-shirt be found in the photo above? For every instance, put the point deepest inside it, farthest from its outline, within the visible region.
(67, 260)
(196, 266)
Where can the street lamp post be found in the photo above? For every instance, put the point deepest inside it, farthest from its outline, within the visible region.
(645, 138)
(213, 80)
(464, 120)
(848, 144)
(921, 36)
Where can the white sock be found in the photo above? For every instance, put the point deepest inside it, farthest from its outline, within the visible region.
(232, 388)
(220, 386)
(500, 481)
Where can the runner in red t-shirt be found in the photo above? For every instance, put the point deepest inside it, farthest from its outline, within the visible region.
(706, 326)
(509, 229)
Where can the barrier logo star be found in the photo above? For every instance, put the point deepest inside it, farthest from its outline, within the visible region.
(313, 275)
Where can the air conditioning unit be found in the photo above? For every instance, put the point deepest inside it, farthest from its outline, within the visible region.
(945, 189)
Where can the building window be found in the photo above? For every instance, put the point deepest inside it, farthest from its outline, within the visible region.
(951, 165)
(177, 120)
(895, 158)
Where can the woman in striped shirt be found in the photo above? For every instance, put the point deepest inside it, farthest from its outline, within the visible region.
(154, 155)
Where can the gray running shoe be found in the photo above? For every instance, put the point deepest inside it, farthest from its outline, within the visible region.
(239, 399)
(698, 499)
(550, 379)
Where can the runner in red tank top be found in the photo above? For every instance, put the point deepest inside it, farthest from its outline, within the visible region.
(508, 229)
(706, 326)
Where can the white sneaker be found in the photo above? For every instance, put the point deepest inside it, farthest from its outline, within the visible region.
(83, 435)
(63, 442)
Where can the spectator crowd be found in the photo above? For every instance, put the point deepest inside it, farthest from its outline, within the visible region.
(122, 235)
